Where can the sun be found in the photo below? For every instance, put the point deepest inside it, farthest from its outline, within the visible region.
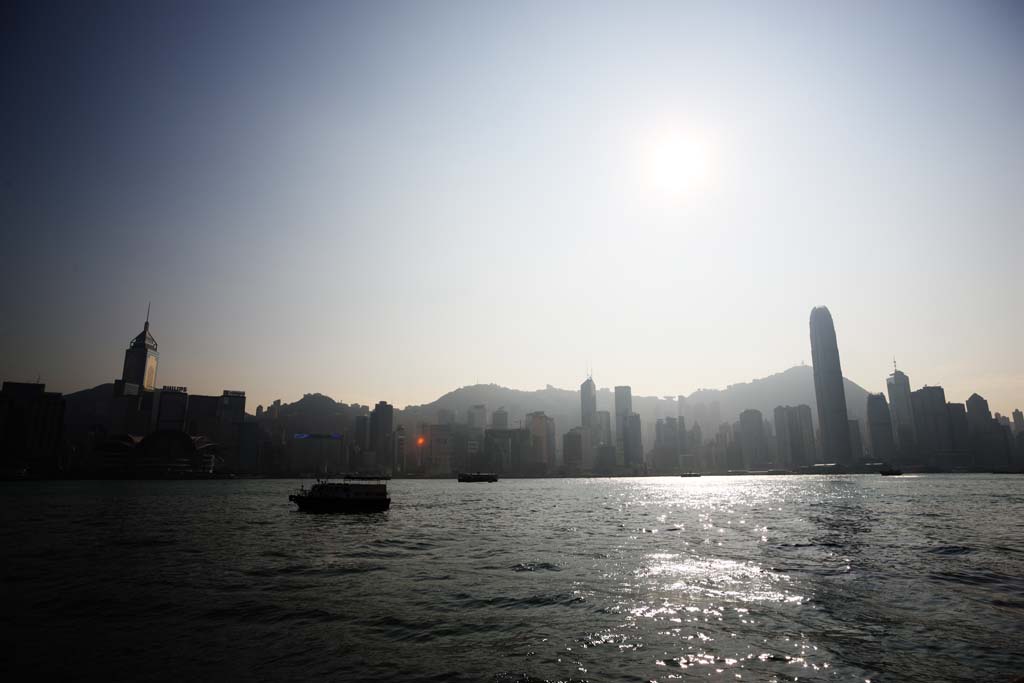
(679, 164)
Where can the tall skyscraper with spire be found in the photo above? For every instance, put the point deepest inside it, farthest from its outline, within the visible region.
(898, 385)
(588, 402)
(140, 359)
(833, 420)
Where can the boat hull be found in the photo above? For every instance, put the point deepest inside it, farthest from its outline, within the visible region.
(473, 477)
(314, 504)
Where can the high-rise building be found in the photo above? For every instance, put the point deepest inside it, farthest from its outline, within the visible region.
(476, 416)
(603, 428)
(499, 418)
(573, 445)
(31, 428)
(828, 389)
(898, 385)
(542, 434)
(931, 421)
(751, 438)
(978, 414)
(361, 437)
(856, 441)
(140, 360)
(1018, 421)
(667, 444)
(588, 402)
(794, 435)
(880, 434)
(633, 454)
(959, 434)
(382, 419)
(445, 416)
(623, 409)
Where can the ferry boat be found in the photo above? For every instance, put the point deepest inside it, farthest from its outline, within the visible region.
(690, 474)
(890, 472)
(354, 493)
(477, 476)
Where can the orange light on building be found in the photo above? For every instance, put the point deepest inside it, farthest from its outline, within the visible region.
(420, 441)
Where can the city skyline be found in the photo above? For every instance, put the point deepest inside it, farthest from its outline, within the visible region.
(392, 202)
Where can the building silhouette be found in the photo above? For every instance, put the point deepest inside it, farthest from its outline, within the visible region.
(931, 421)
(898, 385)
(828, 389)
(573, 445)
(603, 428)
(880, 431)
(542, 435)
(856, 441)
(959, 434)
(382, 421)
(499, 419)
(31, 429)
(140, 360)
(751, 438)
(476, 416)
(1018, 421)
(794, 435)
(623, 409)
(588, 402)
(633, 455)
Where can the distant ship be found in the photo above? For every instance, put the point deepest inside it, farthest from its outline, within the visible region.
(689, 474)
(890, 472)
(355, 493)
(477, 476)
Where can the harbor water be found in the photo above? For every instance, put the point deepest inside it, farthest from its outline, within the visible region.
(786, 578)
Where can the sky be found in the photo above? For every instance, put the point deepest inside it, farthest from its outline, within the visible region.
(389, 200)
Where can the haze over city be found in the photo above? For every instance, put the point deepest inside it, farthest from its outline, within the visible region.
(390, 202)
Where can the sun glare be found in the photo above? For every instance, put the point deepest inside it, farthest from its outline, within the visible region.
(679, 164)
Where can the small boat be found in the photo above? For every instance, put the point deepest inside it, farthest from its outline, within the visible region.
(477, 476)
(890, 472)
(689, 474)
(354, 493)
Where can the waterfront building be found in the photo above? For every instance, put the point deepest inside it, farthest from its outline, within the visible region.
(476, 416)
(898, 385)
(633, 455)
(623, 409)
(931, 421)
(959, 433)
(829, 393)
(880, 431)
(751, 438)
(588, 402)
(1018, 421)
(794, 436)
(170, 408)
(140, 360)
(603, 428)
(542, 434)
(856, 441)
(31, 429)
(573, 446)
(382, 419)
(499, 419)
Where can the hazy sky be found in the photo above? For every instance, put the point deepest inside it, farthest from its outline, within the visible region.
(388, 200)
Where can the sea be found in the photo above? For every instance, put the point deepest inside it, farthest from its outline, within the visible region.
(771, 578)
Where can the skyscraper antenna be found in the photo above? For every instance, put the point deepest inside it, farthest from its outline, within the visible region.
(148, 303)
(894, 363)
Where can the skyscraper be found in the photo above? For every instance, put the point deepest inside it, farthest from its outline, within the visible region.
(794, 434)
(140, 360)
(476, 416)
(633, 455)
(883, 448)
(623, 408)
(1018, 421)
(898, 385)
(828, 389)
(588, 402)
(382, 419)
(499, 418)
(752, 438)
(931, 419)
